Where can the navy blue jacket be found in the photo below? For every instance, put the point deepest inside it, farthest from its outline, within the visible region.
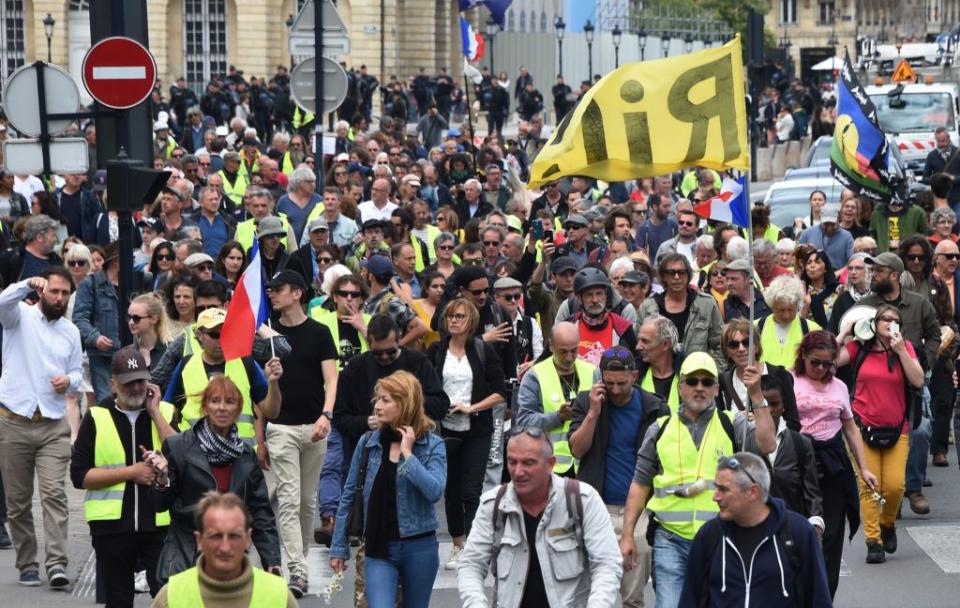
(773, 582)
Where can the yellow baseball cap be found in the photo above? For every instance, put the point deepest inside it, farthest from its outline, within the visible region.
(698, 362)
(211, 318)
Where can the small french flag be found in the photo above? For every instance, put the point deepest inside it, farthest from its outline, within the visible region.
(729, 206)
(247, 310)
(472, 41)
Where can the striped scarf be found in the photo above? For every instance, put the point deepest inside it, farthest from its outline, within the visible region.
(218, 450)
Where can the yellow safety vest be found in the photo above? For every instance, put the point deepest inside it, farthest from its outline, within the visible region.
(247, 230)
(194, 377)
(770, 233)
(316, 212)
(683, 464)
(329, 319)
(552, 397)
(191, 344)
(432, 233)
(106, 504)
(300, 118)
(417, 253)
(235, 191)
(784, 355)
(673, 399)
(169, 147)
(269, 590)
(286, 164)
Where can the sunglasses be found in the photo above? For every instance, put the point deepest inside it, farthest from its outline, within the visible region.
(135, 319)
(686, 223)
(212, 334)
(324, 260)
(491, 243)
(573, 227)
(729, 462)
(533, 431)
(348, 294)
(339, 173)
(917, 258)
(705, 382)
(204, 267)
(821, 363)
(384, 353)
(736, 344)
(474, 262)
(445, 247)
(675, 272)
(951, 256)
(77, 263)
(169, 258)
(478, 292)
(511, 297)
(206, 307)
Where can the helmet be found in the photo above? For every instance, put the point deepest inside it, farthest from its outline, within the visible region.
(590, 277)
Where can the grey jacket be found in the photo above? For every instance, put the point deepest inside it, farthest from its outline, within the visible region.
(575, 574)
(704, 331)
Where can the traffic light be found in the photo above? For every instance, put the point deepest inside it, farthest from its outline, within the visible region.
(130, 186)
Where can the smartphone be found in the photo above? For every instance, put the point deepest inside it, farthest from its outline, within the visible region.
(548, 235)
(538, 229)
(894, 329)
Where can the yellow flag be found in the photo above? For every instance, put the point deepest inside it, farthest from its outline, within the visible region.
(652, 118)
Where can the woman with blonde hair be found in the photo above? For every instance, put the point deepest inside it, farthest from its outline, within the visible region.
(149, 326)
(399, 470)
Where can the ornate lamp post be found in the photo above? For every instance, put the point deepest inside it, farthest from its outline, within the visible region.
(559, 28)
(617, 34)
(48, 23)
(491, 34)
(642, 40)
(588, 30)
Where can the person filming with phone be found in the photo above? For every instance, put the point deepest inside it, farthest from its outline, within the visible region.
(115, 459)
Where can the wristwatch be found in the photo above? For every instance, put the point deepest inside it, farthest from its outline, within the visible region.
(759, 406)
(327, 415)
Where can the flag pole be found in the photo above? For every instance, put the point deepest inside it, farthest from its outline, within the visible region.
(273, 350)
(746, 195)
(466, 92)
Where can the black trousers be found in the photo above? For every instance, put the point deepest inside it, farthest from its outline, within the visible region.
(120, 554)
(941, 406)
(831, 488)
(466, 467)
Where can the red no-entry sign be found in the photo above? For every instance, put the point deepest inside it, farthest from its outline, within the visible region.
(119, 72)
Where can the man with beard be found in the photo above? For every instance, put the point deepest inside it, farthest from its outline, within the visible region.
(921, 328)
(34, 434)
(676, 466)
(599, 327)
(945, 263)
(118, 475)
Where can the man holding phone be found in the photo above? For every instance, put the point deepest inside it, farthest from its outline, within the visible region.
(115, 459)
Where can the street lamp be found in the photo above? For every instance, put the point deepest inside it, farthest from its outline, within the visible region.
(617, 33)
(588, 32)
(642, 39)
(289, 23)
(491, 34)
(688, 42)
(665, 44)
(48, 23)
(559, 28)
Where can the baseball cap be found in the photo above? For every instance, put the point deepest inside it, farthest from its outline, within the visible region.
(887, 259)
(829, 215)
(576, 219)
(507, 283)
(270, 225)
(635, 278)
(739, 264)
(617, 359)
(195, 259)
(287, 277)
(562, 264)
(128, 364)
(317, 224)
(454, 132)
(153, 223)
(211, 318)
(411, 179)
(698, 362)
(172, 191)
(515, 223)
(379, 266)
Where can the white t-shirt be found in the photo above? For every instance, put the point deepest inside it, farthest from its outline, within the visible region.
(368, 211)
(458, 385)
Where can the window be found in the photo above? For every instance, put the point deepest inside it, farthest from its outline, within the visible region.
(12, 54)
(205, 41)
(788, 11)
(510, 22)
(543, 22)
(79, 5)
(523, 21)
(825, 15)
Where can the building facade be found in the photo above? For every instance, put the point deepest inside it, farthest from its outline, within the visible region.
(199, 38)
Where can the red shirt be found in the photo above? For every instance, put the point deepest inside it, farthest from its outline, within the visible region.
(879, 397)
(222, 474)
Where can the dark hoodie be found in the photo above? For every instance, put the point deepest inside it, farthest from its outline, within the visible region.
(772, 579)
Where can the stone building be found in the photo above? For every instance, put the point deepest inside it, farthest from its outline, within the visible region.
(198, 38)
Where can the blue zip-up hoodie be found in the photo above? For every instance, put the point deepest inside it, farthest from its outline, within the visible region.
(765, 578)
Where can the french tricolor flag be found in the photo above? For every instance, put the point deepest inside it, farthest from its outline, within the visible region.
(247, 310)
(729, 206)
(472, 41)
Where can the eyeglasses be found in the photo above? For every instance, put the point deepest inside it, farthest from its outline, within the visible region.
(135, 319)
(821, 363)
(473, 262)
(77, 263)
(324, 260)
(510, 297)
(478, 292)
(694, 381)
(676, 272)
(950, 256)
(215, 335)
(737, 344)
(917, 258)
(343, 293)
(456, 316)
(384, 353)
(491, 243)
(729, 462)
(888, 319)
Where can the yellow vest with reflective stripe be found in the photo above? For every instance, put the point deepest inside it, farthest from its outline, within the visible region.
(235, 191)
(329, 319)
(683, 464)
(300, 117)
(552, 397)
(316, 212)
(673, 400)
(247, 230)
(194, 378)
(269, 590)
(784, 355)
(286, 164)
(106, 504)
(432, 233)
(417, 253)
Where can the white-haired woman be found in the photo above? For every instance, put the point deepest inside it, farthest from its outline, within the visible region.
(856, 284)
(942, 220)
(786, 253)
(782, 331)
(300, 200)
(330, 275)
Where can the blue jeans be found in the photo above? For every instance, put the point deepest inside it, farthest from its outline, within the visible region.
(669, 567)
(100, 378)
(917, 458)
(414, 563)
(331, 476)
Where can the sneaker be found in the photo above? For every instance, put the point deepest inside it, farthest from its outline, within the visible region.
(940, 460)
(297, 586)
(5, 542)
(875, 554)
(889, 538)
(324, 534)
(30, 577)
(57, 577)
(927, 483)
(919, 503)
(453, 558)
(140, 584)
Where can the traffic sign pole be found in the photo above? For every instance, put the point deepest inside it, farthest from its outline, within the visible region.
(318, 86)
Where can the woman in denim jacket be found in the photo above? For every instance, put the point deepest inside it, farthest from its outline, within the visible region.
(399, 493)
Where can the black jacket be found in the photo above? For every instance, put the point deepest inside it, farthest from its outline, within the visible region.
(463, 210)
(564, 250)
(795, 475)
(355, 390)
(11, 264)
(301, 262)
(82, 460)
(487, 378)
(190, 478)
(593, 464)
(727, 399)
